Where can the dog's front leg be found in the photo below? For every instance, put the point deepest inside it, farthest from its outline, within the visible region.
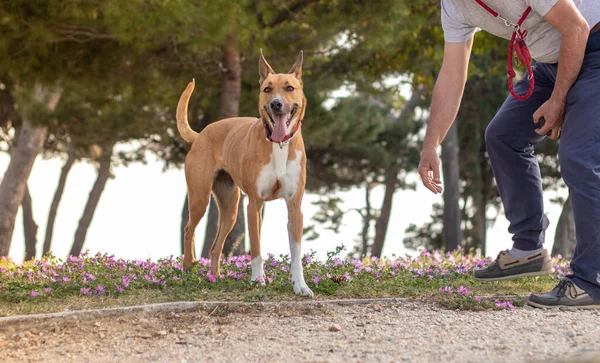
(295, 220)
(254, 223)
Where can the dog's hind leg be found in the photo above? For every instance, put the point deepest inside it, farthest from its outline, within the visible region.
(199, 186)
(227, 196)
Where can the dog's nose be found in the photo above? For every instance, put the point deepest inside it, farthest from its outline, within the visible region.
(276, 104)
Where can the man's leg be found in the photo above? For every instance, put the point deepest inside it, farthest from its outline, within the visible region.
(510, 139)
(579, 157)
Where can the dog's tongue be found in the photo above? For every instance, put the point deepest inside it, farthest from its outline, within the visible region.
(278, 128)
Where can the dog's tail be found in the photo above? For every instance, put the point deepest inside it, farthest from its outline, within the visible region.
(183, 125)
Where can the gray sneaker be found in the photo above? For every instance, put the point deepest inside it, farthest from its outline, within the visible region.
(506, 267)
(565, 295)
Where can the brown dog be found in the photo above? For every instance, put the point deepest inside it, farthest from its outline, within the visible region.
(264, 157)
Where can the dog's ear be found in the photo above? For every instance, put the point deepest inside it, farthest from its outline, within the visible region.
(264, 69)
(297, 67)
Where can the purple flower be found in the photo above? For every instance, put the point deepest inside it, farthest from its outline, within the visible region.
(463, 290)
(176, 278)
(504, 304)
(211, 278)
(33, 293)
(48, 290)
(446, 289)
(99, 289)
(316, 280)
(84, 291)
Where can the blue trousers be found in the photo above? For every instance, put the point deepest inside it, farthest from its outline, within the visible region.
(510, 140)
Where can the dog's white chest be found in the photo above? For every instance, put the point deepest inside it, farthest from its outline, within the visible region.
(279, 169)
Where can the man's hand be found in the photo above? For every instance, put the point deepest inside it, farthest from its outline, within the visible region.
(553, 113)
(574, 29)
(429, 170)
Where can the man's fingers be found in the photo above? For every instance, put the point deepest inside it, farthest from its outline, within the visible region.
(425, 173)
(543, 131)
(536, 117)
(436, 174)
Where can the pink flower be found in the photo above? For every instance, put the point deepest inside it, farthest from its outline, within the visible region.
(48, 290)
(463, 290)
(211, 278)
(33, 293)
(446, 289)
(316, 280)
(176, 278)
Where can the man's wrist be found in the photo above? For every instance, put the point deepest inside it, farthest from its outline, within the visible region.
(429, 145)
(559, 97)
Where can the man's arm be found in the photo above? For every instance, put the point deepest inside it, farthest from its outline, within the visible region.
(574, 29)
(447, 94)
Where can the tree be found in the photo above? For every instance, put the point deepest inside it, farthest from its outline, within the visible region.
(565, 238)
(452, 233)
(231, 84)
(56, 201)
(29, 226)
(94, 197)
(26, 146)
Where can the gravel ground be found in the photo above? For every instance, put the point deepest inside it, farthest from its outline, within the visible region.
(405, 332)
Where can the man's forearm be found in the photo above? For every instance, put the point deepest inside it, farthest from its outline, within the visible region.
(447, 95)
(572, 51)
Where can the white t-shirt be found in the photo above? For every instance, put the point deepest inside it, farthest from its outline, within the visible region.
(462, 18)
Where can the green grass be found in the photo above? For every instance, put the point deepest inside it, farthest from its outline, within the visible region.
(102, 281)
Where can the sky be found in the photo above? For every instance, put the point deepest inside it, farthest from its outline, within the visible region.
(139, 214)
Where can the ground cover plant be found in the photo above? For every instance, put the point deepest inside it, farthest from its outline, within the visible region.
(102, 280)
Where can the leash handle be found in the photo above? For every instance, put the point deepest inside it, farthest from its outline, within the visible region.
(523, 54)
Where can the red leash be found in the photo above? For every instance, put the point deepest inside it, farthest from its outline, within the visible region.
(517, 41)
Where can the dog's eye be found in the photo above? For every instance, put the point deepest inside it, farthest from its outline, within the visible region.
(267, 90)
(289, 88)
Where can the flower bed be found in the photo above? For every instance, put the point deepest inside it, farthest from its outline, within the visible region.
(103, 280)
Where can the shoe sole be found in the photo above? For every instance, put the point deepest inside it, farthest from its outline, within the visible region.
(510, 277)
(568, 307)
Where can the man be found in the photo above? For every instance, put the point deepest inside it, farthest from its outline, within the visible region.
(563, 37)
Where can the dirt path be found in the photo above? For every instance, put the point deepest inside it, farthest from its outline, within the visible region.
(407, 331)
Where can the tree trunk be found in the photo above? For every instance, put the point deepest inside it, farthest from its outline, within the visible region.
(486, 186)
(366, 220)
(565, 239)
(29, 226)
(27, 145)
(212, 226)
(383, 221)
(93, 199)
(452, 232)
(391, 176)
(482, 224)
(229, 105)
(60, 188)
(235, 243)
(185, 217)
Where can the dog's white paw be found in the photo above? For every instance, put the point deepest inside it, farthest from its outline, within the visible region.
(300, 288)
(259, 279)
(258, 272)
